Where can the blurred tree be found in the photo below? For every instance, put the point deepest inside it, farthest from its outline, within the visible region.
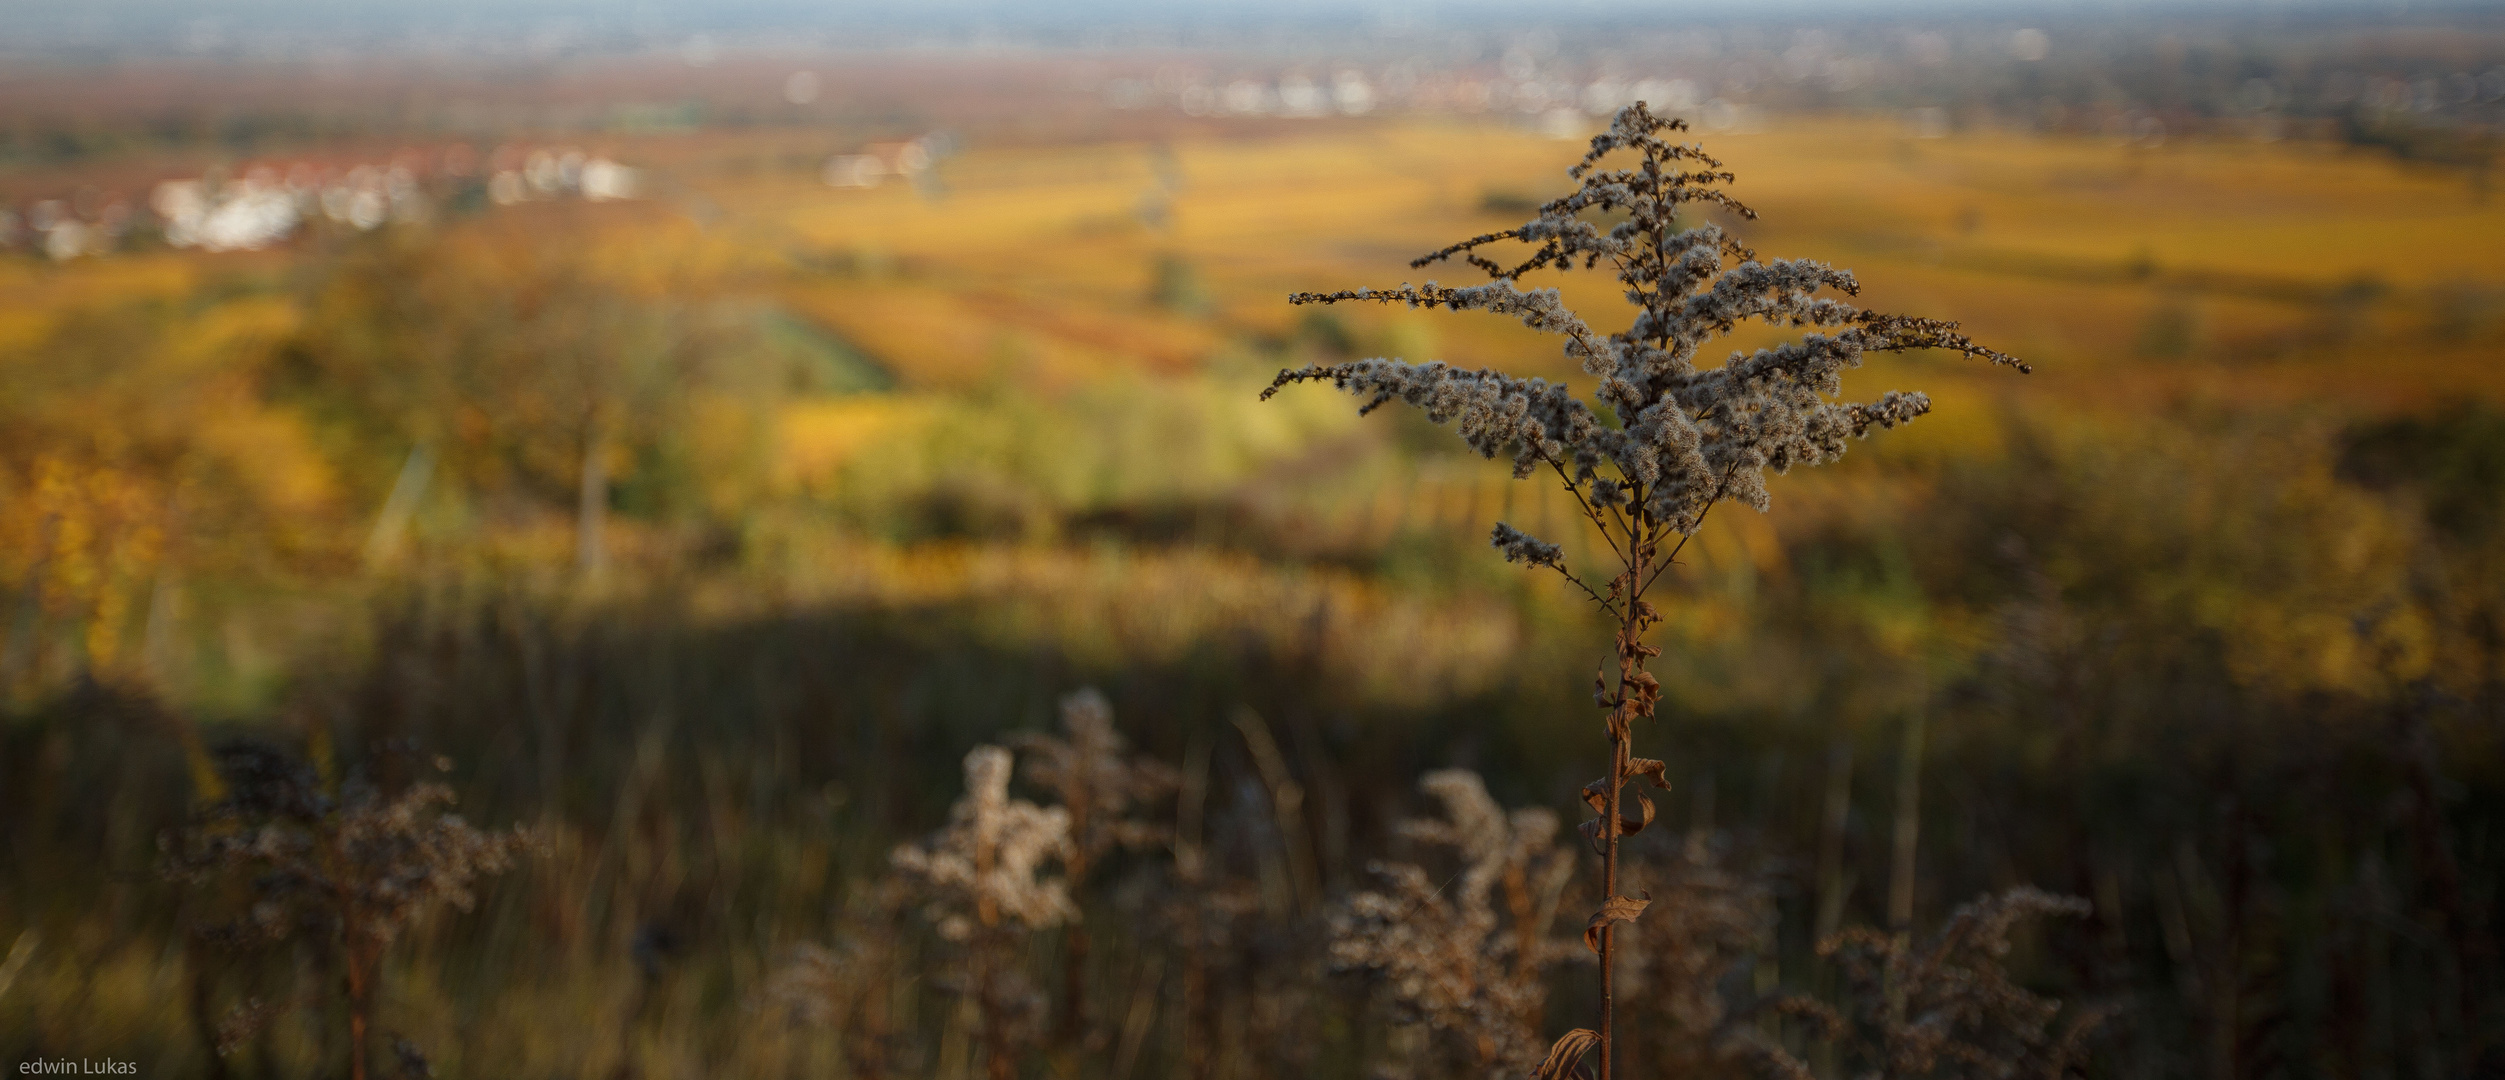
(136, 452)
(539, 383)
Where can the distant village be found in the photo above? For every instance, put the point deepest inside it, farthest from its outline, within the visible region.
(264, 204)
(260, 205)
(1720, 88)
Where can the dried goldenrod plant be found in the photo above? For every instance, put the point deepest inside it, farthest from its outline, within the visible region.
(1948, 1009)
(1468, 957)
(850, 987)
(1710, 923)
(983, 886)
(1109, 797)
(348, 872)
(1663, 440)
(1236, 962)
(845, 988)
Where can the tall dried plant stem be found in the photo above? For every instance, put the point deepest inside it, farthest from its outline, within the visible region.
(1000, 1060)
(1074, 1022)
(1686, 437)
(1907, 837)
(360, 990)
(361, 956)
(1195, 1024)
(1908, 826)
(1641, 564)
(1074, 949)
(1834, 818)
(196, 962)
(1609, 934)
(1620, 735)
(997, 1061)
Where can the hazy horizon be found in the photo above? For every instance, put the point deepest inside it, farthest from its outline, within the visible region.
(281, 29)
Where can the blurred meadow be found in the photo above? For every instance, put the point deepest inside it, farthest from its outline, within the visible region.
(704, 530)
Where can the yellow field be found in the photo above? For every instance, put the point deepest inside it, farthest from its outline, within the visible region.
(2058, 248)
(1037, 265)
(1082, 327)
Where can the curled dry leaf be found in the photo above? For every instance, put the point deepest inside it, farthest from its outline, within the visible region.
(1631, 817)
(1596, 796)
(1565, 1059)
(1619, 909)
(1647, 686)
(1631, 820)
(1651, 768)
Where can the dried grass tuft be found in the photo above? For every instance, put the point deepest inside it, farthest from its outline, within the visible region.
(1467, 957)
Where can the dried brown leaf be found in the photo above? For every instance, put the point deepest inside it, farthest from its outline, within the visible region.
(1619, 909)
(1596, 796)
(1565, 1059)
(1651, 768)
(1631, 824)
(1631, 817)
